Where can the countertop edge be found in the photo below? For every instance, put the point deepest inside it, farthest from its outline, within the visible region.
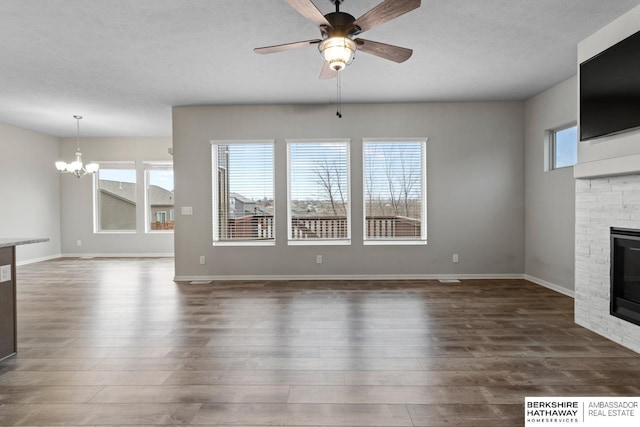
(7, 242)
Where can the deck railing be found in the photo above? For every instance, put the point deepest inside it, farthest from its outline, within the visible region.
(323, 227)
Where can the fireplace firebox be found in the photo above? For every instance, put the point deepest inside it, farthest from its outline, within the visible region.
(625, 274)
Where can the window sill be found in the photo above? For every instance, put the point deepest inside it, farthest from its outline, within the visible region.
(245, 243)
(319, 242)
(394, 242)
(116, 232)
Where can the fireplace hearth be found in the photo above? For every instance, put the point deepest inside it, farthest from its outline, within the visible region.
(625, 274)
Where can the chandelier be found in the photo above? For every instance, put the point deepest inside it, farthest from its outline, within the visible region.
(76, 167)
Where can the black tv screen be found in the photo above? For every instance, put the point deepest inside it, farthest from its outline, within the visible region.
(610, 90)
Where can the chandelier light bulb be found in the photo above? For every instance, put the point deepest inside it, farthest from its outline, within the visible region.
(92, 167)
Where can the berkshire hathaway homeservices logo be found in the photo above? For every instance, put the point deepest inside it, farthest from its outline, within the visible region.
(582, 411)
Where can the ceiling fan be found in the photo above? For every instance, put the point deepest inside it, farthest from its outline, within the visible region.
(338, 29)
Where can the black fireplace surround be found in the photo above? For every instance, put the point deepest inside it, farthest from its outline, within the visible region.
(625, 274)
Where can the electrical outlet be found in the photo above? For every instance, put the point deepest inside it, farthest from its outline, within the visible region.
(319, 259)
(203, 260)
(78, 242)
(5, 273)
(186, 210)
(455, 258)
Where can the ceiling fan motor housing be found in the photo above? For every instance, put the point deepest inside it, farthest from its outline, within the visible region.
(342, 24)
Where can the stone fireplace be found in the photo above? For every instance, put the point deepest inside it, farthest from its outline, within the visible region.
(603, 203)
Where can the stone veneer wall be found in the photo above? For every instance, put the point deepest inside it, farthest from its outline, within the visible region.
(602, 203)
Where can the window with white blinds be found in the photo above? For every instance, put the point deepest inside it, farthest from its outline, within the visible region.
(319, 208)
(242, 182)
(394, 191)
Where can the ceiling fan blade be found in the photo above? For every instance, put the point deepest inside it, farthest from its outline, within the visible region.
(286, 46)
(307, 9)
(384, 12)
(327, 73)
(383, 50)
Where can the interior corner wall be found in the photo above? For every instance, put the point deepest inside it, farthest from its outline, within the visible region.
(77, 199)
(549, 195)
(30, 191)
(475, 189)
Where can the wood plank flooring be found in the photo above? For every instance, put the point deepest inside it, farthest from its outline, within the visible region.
(117, 342)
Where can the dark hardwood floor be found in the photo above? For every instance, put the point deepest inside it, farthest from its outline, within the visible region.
(117, 342)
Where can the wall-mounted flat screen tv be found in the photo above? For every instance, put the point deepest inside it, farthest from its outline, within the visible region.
(610, 90)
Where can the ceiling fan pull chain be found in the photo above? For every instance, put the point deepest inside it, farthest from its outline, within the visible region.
(339, 97)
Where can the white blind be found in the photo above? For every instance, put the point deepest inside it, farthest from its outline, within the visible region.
(394, 179)
(319, 190)
(242, 177)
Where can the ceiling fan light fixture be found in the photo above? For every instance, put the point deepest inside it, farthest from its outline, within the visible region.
(338, 52)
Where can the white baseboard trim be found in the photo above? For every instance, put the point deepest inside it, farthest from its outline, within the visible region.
(549, 285)
(119, 255)
(349, 277)
(34, 260)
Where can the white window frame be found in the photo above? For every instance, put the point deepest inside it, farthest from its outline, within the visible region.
(423, 211)
(550, 147)
(318, 242)
(214, 195)
(148, 165)
(96, 200)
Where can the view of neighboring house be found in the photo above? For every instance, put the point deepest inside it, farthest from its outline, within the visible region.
(240, 206)
(160, 208)
(117, 203)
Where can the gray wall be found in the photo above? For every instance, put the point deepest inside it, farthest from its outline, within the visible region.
(77, 199)
(475, 188)
(30, 191)
(550, 195)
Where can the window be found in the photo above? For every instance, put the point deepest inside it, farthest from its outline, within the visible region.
(115, 197)
(394, 191)
(160, 202)
(242, 182)
(563, 147)
(318, 204)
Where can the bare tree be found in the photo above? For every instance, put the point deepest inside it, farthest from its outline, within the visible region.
(398, 187)
(391, 180)
(410, 178)
(331, 181)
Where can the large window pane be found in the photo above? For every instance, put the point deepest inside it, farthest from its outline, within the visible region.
(116, 197)
(394, 186)
(319, 191)
(160, 201)
(242, 182)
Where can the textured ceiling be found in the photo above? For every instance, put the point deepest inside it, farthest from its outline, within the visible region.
(123, 64)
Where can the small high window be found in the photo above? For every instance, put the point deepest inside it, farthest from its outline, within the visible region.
(563, 147)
